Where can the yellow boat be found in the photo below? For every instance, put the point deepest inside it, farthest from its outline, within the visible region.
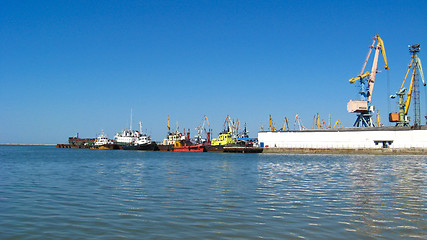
(224, 138)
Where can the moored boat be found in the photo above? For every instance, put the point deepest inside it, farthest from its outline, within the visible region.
(185, 145)
(134, 140)
(189, 148)
(129, 139)
(103, 143)
(171, 139)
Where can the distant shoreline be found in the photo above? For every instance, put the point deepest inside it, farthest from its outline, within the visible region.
(25, 144)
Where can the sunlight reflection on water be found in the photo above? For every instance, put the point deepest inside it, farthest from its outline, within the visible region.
(69, 193)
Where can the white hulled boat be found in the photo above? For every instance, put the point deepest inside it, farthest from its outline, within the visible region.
(130, 139)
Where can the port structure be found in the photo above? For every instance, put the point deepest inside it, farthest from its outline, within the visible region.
(272, 124)
(364, 107)
(401, 118)
(200, 129)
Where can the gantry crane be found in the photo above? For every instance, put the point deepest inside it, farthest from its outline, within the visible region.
(401, 118)
(363, 107)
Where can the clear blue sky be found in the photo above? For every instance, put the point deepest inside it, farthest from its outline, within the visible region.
(80, 66)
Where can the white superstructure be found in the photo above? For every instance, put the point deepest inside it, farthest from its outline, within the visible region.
(131, 137)
(102, 139)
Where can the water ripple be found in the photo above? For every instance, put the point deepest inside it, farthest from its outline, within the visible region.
(67, 193)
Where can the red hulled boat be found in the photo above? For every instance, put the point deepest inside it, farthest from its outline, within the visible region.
(187, 146)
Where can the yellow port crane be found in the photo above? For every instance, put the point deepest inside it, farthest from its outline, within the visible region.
(321, 124)
(272, 125)
(338, 123)
(401, 118)
(380, 124)
(317, 123)
(285, 125)
(367, 80)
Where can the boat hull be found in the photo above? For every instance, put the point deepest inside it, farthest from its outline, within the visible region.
(72, 146)
(214, 148)
(163, 147)
(143, 147)
(108, 147)
(192, 148)
(243, 149)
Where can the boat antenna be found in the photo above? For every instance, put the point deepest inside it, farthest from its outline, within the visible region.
(140, 127)
(130, 119)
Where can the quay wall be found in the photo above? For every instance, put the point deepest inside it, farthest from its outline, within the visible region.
(389, 140)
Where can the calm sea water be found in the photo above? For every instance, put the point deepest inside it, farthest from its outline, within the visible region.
(49, 193)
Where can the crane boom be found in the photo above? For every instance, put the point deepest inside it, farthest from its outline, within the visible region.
(381, 44)
(285, 124)
(338, 123)
(420, 69)
(411, 89)
(407, 72)
(372, 74)
(299, 122)
(272, 127)
(207, 120)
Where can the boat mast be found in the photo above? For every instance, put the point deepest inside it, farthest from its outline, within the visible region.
(140, 127)
(130, 119)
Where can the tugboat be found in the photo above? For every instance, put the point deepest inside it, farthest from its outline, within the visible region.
(225, 138)
(103, 143)
(186, 145)
(171, 139)
(244, 144)
(199, 143)
(231, 140)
